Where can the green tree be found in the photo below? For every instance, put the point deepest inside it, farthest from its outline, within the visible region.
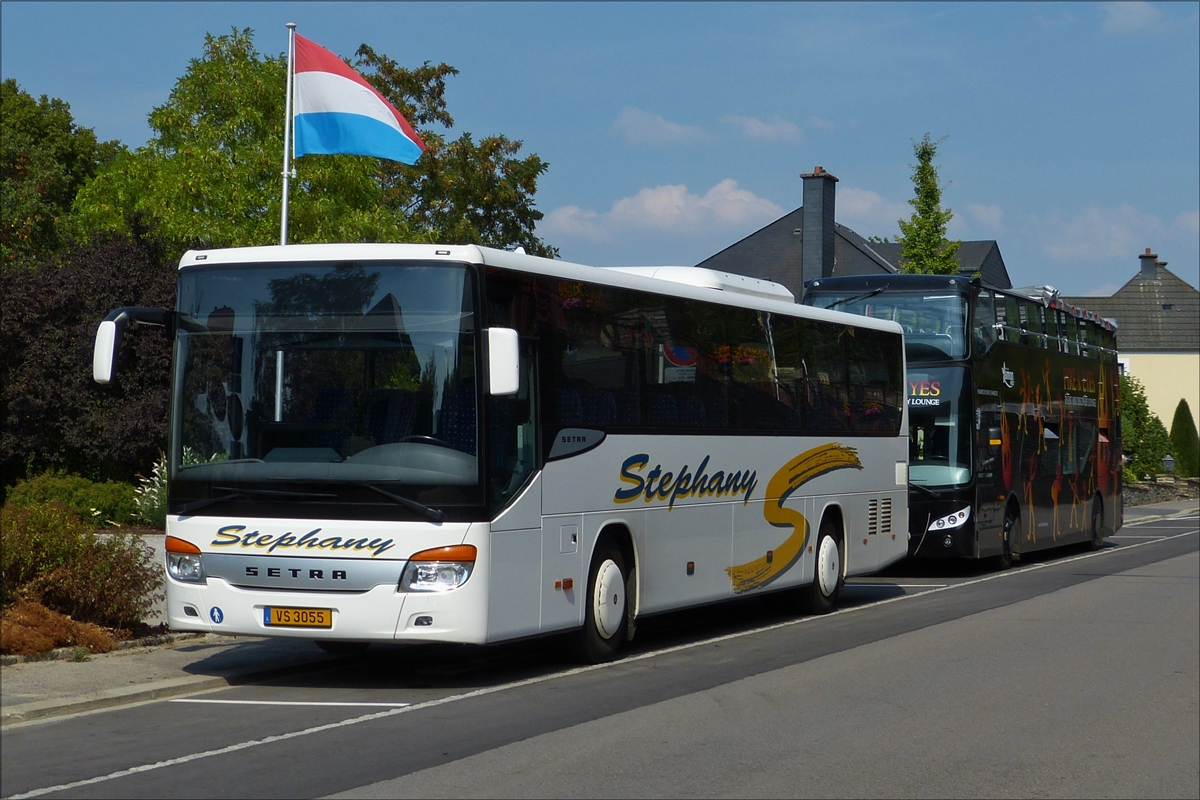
(210, 176)
(46, 159)
(924, 247)
(1185, 442)
(1143, 437)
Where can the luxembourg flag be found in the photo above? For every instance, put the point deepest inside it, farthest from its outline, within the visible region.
(337, 111)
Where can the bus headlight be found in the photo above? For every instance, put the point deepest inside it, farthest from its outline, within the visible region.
(438, 570)
(184, 561)
(955, 520)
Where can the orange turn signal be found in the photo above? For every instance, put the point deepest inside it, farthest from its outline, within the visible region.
(456, 552)
(175, 545)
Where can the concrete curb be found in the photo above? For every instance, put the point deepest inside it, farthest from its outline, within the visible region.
(69, 653)
(157, 690)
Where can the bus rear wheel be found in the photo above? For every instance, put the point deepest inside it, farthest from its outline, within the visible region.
(606, 612)
(821, 596)
(1096, 538)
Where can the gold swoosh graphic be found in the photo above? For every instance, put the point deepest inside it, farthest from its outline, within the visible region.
(790, 477)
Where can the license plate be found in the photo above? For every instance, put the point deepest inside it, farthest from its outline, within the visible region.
(282, 617)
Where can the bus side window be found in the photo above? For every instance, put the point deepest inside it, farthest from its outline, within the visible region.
(876, 388)
(1071, 336)
(760, 400)
(984, 324)
(1051, 329)
(1012, 319)
(824, 394)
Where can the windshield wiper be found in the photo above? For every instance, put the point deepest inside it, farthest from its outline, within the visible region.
(235, 494)
(863, 296)
(432, 513)
(921, 488)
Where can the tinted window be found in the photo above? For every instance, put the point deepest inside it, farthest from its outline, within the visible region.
(617, 359)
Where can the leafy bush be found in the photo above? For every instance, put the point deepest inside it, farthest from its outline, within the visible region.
(52, 414)
(1143, 436)
(151, 495)
(107, 503)
(1185, 443)
(49, 554)
(29, 628)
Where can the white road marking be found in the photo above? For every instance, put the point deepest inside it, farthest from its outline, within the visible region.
(282, 703)
(233, 748)
(1136, 536)
(900, 585)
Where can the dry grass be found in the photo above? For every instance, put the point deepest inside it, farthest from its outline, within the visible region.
(28, 628)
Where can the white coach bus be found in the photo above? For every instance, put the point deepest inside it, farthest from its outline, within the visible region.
(377, 442)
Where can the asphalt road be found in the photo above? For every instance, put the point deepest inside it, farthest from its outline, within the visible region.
(1076, 674)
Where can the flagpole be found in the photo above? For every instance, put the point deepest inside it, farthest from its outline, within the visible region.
(287, 133)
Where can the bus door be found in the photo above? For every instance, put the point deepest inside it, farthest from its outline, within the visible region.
(989, 481)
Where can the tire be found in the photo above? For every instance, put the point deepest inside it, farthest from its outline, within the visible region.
(1012, 533)
(343, 648)
(821, 596)
(606, 615)
(1096, 535)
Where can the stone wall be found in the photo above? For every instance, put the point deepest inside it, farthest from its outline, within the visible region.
(1140, 494)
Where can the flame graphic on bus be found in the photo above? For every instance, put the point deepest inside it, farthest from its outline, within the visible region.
(791, 476)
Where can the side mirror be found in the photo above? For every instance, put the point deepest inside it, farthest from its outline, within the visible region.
(504, 361)
(112, 329)
(104, 354)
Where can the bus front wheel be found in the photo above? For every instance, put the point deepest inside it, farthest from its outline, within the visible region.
(821, 596)
(606, 612)
(1010, 534)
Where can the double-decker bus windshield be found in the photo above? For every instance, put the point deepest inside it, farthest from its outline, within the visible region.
(939, 432)
(342, 372)
(934, 322)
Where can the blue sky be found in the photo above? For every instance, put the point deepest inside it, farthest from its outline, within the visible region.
(673, 130)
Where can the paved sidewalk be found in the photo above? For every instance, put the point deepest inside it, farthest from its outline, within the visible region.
(41, 689)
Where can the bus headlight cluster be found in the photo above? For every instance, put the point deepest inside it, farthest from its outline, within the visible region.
(438, 570)
(184, 561)
(955, 520)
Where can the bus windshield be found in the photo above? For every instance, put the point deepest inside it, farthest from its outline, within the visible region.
(342, 372)
(939, 444)
(934, 322)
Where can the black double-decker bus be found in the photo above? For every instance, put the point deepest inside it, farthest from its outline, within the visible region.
(1015, 439)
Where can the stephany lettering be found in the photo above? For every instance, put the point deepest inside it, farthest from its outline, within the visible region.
(672, 486)
(231, 536)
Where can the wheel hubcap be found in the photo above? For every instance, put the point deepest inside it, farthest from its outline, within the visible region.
(829, 566)
(608, 602)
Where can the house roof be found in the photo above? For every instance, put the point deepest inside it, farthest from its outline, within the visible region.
(1155, 314)
(775, 252)
(982, 256)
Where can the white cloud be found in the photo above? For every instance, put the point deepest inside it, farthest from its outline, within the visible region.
(862, 208)
(777, 130)
(1189, 221)
(823, 124)
(666, 209)
(574, 222)
(1129, 17)
(642, 127)
(991, 217)
(1099, 233)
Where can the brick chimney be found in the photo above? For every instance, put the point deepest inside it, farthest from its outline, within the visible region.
(1149, 265)
(816, 253)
